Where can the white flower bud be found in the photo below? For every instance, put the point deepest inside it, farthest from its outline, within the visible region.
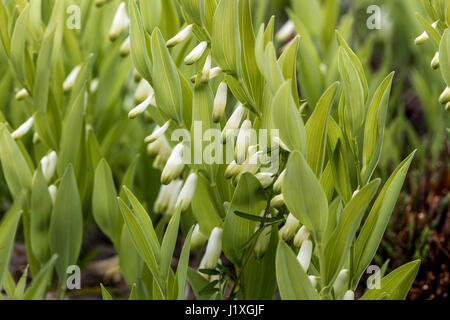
(187, 193)
(71, 78)
(157, 133)
(120, 22)
(243, 141)
(174, 194)
(174, 166)
(52, 190)
(36, 138)
(163, 199)
(278, 184)
(349, 295)
(262, 244)
(215, 72)
(198, 239)
(422, 38)
(232, 170)
(289, 228)
(48, 164)
(301, 236)
(313, 280)
(233, 123)
(94, 85)
(304, 255)
(196, 53)
(23, 129)
(22, 94)
(265, 178)
(277, 142)
(206, 69)
(180, 36)
(214, 249)
(286, 31)
(341, 283)
(125, 48)
(220, 101)
(143, 91)
(435, 63)
(277, 201)
(140, 109)
(445, 96)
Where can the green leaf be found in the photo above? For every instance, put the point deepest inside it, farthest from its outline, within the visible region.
(104, 205)
(432, 32)
(197, 283)
(444, 56)
(248, 198)
(105, 294)
(372, 232)
(293, 282)
(8, 228)
(226, 45)
(142, 242)
(18, 43)
(139, 53)
(354, 110)
(304, 196)
(41, 213)
(71, 134)
(287, 119)
(167, 86)
(169, 242)
(338, 245)
(396, 285)
(41, 281)
(15, 168)
(374, 128)
(183, 264)
(317, 129)
(66, 224)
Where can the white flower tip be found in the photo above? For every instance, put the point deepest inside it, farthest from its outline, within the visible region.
(196, 53)
(157, 133)
(141, 108)
(180, 37)
(23, 129)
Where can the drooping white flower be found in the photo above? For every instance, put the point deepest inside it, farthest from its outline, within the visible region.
(278, 142)
(174, 194)
(94, 85)
(52, 190)
(120, 22)
(71, 78)
(243, 141)
(422, 38)
(445, 96)
(157, 133)
(304, 255)
(435, 63)
(23, 129)
(279, 182)
(48, 165)
(22, 94)
(233, 123)
(187, 193)
(289, 228)
(180, 36)
(301, 236)
(213, 249)
(341, 283)
(277, 201)
(349, 295)
(163, 200)
(285, 32)
(196, 53)
(220, 101)
(140, 109)
(265, 178)
(125, 48)
(198, 239)
(174, 166)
